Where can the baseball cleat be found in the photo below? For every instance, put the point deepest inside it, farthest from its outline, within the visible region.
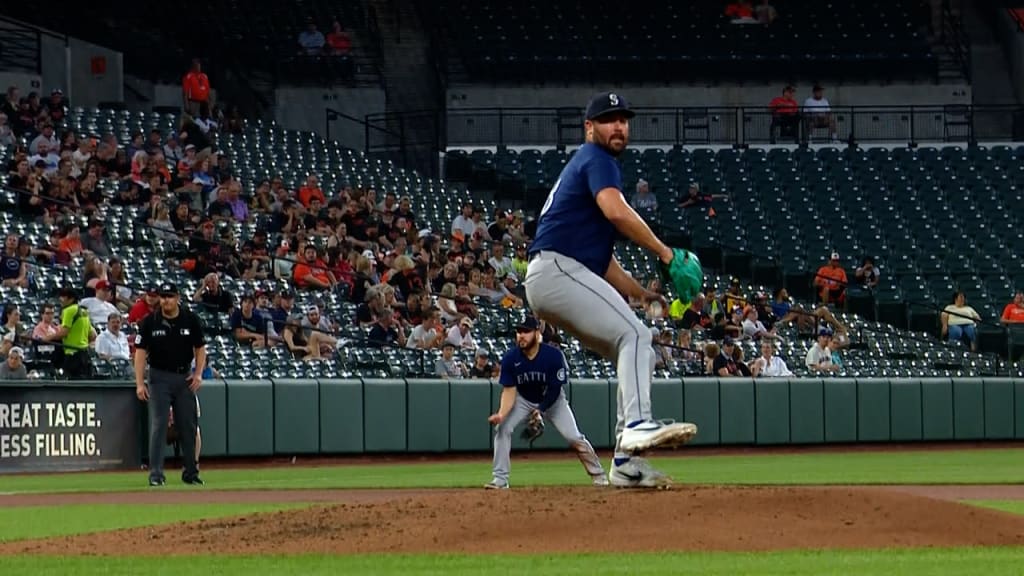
(601, 480)
(648, 434)
(496, 485)
(638, 473)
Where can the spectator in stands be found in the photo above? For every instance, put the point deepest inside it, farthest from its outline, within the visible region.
(660, 338)
(428, 334)
(302, 347)
(213, 296)
(326, 329)
(785, 115)
(56, 105)
(13, 367)
(447, 365)
(195, 89)
(867, 274)
(100, 306)
(521, 260)
(696, 199)
(753, 328)
(765, 13)
(741, 11)
(311, 40)
(312, 272)
(11, 108)
(13, 270)
(94, 241)
(1013, 313)
(173, 153)
(724, 364)
(734, 297)
(819, 356)
(460, 335)
(7, 136)
(831, 282)
(464, 221)
(144, 306)
(501, 263)
(385, 331)
(311, 190)
(497, 231)
(644, 201)
(338, 41)
(49, 158)
(12, 331)
(741, 365)
(112, 343)
(818, 114)
(205, 121)
(47, 135)
(285, 304)
(482, 366)
(768, 364)
(959, 321)
(47, 329)
(248, 324)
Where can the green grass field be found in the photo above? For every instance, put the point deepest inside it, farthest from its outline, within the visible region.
(979, 466)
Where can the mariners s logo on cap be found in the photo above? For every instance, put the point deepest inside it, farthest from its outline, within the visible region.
(613, 99)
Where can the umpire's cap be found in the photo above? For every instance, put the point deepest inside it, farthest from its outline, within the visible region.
(607, 103)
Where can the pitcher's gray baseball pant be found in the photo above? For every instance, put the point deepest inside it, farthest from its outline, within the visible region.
(567, 294)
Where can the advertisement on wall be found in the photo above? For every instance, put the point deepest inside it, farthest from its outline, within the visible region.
(56, 429)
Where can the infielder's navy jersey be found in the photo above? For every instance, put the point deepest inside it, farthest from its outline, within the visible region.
(571, 223)
(538, 380)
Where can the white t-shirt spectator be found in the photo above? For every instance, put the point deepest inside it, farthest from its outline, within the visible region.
(465, 224)
(115, 346)
(818, 356)
(776, 368)
(458, 340)
(448, 368)
(99, 310)
(751, 329)
(501, 267)
(817, 106)
(51, 160)
(420, 337)
(52, 141)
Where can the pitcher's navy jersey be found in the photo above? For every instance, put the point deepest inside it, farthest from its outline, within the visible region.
(571, 223)
(538, 380)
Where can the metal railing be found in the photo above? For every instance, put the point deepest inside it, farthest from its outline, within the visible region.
(706, 125)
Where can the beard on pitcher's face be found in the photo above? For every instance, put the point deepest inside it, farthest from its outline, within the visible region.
(610, 132)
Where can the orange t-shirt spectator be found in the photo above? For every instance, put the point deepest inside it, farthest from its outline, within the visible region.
(313, 272)
(784, 105)
(196, 87)
(1013, 313)
(311, 190)
(739, 10)
(831, 281)
(338, 41)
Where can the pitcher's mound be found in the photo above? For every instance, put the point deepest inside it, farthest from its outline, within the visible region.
(545, 520)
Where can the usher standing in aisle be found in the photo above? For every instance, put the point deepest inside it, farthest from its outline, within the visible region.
(175, 335)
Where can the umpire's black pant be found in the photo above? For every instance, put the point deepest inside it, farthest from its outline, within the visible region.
(168, 389)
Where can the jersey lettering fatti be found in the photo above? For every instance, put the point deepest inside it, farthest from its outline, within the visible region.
(533, 378)
(571, 223)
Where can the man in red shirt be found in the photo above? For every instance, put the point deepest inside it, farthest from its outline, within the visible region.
(143, 306)
(1013, 313)
(785, 115)
(195, 88)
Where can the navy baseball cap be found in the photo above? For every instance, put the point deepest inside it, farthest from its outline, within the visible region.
(528, 325)
(606, 103)
(728, 341)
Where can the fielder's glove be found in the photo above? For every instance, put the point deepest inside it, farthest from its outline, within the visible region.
(534, 428)
(684, 273)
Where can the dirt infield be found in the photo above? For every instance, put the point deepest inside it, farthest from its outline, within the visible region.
(556, 519)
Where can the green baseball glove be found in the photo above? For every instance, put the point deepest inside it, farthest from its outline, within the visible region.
(684, 273)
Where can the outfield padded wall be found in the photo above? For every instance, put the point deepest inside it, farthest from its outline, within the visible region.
(393, 415)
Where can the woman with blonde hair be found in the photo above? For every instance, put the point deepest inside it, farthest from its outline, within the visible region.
(446, 303)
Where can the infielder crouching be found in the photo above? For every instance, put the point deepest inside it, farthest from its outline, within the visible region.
(532, 376)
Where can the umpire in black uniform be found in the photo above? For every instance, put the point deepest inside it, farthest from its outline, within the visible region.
(175, 335)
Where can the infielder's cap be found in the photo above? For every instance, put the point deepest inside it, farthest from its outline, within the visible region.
(606, 103)
(528, 325)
